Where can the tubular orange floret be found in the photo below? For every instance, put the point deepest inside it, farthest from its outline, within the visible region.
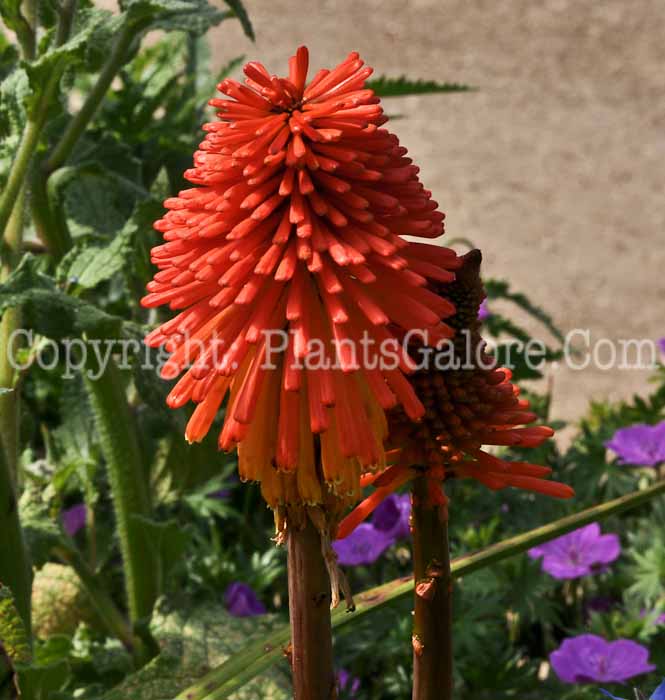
(292, 229)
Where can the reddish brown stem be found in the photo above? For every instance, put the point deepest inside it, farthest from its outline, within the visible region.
(432, 621)
(309, 608)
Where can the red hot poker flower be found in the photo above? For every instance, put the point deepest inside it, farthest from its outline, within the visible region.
(467, 407)
(294, 225)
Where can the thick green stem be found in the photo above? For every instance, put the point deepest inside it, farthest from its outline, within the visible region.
(49, 221)
(15, 569)
(9, 324)
(79, 123)
(266, 651)
(432, 618)
(309, 611)
(26, 149)
(129, 489)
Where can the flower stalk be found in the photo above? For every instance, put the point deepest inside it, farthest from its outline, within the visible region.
(129, 488)
(432, 620)
(309, 611)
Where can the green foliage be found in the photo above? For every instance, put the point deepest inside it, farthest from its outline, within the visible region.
(14, 640)
(516, 347)
(49, 310)
(238, 9)
(193, 640)
(403, 87)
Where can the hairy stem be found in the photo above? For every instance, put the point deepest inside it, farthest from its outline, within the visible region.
(432, 619)
(15, 569)
(129, 489)
(309, 610)
(10, 322)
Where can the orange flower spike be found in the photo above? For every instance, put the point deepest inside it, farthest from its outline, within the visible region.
(289, 236)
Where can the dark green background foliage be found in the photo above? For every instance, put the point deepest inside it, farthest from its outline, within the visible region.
(101, 201)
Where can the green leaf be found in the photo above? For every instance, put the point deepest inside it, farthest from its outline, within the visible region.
(88, 266)
(168, 541)
(240, 12)
(41, 532)
(8, 56)
(192, 641)
(13, 638)
(193, 16)
(402, 87)
(48, 310)
(14, 96)
(55, 59)
(86, 190)
(39, 682)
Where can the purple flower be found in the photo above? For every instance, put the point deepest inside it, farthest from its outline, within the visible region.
(483, 311)
(658, 694)
(579, 553)
(661, 345)
(392, 516)
(591, 659)
(219, 495)
(73, 519)
(348, 683)
(363, 546)
(640, 444)
(241, 601)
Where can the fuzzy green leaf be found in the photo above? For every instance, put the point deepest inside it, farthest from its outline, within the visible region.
(48, 310)
(88, 266)
(85, 191)
(55, 60)
(193, 16)
(13, 638)
(193, 641)
(240, 12)
(14, 96)
(403, 87)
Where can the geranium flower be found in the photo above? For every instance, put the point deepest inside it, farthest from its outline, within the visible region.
(579, 553)
(348, 684)
(591, 659)
(74, 518)
(469, 403)
(293, 229)
(362, 546)
(658, 694)
(241, 601)
(640, 444)
(392, 516)
(483, 311)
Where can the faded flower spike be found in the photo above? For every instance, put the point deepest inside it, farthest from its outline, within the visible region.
(290, 242)
(469, 404)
